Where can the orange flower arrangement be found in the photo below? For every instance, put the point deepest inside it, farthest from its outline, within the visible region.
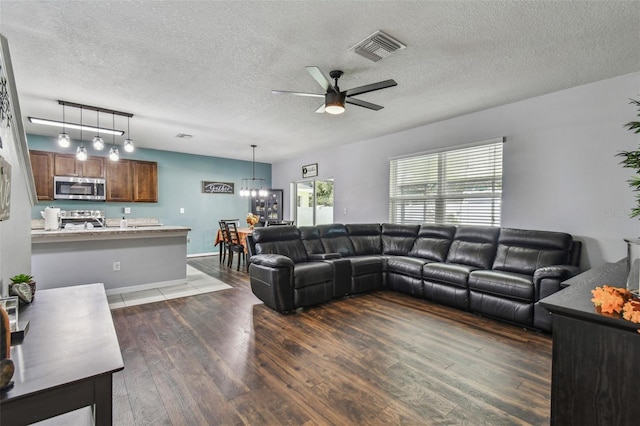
(252, 219)
(618, 301)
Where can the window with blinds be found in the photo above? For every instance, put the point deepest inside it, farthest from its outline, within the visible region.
(460, 186)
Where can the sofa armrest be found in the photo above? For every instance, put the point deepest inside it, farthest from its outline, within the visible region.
(272, 260)
(325, 256)
(547, 280)
(271, 279)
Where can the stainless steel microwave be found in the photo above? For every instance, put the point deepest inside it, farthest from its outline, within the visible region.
(78, 188)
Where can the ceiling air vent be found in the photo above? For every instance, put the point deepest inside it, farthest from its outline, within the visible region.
(184, 136)
(377, 46)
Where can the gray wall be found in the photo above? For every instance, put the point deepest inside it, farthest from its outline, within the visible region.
(560, 169)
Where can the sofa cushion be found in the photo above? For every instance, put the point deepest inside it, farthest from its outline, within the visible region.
(310, 273)
(449, 273)
(335, 239)
(284, 240)
(363, 265)
(509, 285)
(474, 246)
(311, 239)
(397, 240)
(524, 251)
(403, 265)
(365, 238)
(433, 242)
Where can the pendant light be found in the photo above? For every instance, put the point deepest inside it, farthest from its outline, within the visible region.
(98, 143)
(248, 187)
(128, 143)
(63, 138)
(114, 154)
(81, 152)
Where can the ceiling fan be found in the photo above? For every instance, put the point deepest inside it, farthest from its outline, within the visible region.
(334, 99)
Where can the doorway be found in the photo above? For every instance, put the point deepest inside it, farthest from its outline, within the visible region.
(314, 202)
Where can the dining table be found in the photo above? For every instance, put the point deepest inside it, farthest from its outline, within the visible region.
(242, 236)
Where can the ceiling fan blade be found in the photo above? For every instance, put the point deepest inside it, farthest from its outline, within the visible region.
(320, 109)
(370, 87)
(321, 79)
(284, 92)
(363, 104)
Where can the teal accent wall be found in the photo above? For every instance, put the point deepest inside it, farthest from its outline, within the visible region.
(180, 179)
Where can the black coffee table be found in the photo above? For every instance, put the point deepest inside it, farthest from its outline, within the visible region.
(67, 358)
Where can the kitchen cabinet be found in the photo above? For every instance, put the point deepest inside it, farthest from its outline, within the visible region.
(126, 180)
(118, 186)
(268, 208)
(132, 180)
(68, 165)
(145, 181)
(42, 168)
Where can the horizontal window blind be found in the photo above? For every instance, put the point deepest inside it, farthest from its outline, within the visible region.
(459, 186)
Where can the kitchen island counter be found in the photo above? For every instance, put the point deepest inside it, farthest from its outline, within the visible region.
(125, 260)
(42, 236)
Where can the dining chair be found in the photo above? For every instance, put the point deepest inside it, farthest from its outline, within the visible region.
(223, 243)
(233, 244)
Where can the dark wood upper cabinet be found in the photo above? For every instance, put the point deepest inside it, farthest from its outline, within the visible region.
(126, 180)
(118, 186)
(145, 181)
(42, 168)
(67, 165)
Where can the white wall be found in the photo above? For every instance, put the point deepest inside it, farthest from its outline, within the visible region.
(15, 233)
(560, 169)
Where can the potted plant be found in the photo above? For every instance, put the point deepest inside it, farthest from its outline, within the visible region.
(631, 159)
(23, 286)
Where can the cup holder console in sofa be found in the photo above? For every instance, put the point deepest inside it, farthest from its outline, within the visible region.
(497, 272)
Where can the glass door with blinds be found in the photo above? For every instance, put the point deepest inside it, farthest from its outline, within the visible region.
(314, 202)
(457, 186)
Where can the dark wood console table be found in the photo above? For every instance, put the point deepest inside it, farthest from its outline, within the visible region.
(596, 358)
(67, 358)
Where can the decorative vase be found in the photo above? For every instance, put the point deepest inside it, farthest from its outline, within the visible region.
(251, 227)
(633, 265)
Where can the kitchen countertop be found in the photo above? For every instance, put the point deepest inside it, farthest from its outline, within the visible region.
(63, 235)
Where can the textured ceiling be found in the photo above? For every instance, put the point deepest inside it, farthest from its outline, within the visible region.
(207, 68)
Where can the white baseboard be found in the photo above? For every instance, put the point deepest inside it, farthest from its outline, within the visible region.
(203, 254)
(133, 288)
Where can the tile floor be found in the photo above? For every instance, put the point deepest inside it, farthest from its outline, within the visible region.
(197, 283)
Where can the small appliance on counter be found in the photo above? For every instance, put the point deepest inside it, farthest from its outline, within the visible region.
(51, 216)
(82, 219)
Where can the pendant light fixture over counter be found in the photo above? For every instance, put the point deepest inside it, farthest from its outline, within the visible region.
(114, 154)
(98, 143)
(249, 186)
(81, 152)
(63, 138)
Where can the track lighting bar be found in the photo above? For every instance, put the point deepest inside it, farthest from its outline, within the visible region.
(94, 108)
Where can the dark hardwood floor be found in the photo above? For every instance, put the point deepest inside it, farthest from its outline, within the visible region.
(380, 358)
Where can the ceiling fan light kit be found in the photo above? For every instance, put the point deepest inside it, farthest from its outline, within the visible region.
(334, 99)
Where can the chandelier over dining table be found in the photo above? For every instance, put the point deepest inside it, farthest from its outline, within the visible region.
(253, 186)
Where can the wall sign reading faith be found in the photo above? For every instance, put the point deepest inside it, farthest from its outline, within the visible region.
(217, 187)
(310, 170)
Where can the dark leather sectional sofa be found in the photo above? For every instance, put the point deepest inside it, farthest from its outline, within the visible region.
(497, 272)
